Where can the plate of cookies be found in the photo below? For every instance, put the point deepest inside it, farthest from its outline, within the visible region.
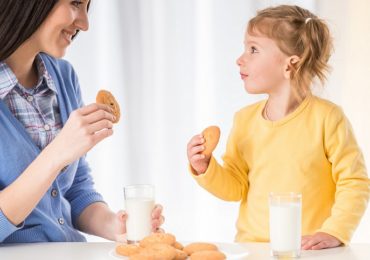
(164, 246)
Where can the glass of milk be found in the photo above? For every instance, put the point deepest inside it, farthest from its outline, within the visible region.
(285, 224)
(139, 203)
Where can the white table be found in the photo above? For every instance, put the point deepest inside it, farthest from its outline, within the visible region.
(100, 251)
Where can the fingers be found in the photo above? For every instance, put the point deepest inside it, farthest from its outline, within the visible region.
(102, 134)
(304, 240)
(100, 125)
(195, 147)
(312, 241)
(99, 115)
(157, 211)
(94, 107)
(157, 218)
(322, 245)
(122, 215)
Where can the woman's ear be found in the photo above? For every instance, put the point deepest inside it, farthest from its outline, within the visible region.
(291, 62)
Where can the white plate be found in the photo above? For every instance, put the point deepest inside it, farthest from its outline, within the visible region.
(232, 251)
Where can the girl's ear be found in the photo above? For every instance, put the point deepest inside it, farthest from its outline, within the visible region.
(291, 62)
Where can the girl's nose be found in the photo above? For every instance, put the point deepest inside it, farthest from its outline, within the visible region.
(239, 61)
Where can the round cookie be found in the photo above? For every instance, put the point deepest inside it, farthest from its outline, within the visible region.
(127, 250)
(208, 255)
(211, 136)
(156, 252)
(178, 245)
(105, 97)
(199, 246)
(180, 255)
(164, 238)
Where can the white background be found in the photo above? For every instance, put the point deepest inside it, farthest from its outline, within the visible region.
(171, 65)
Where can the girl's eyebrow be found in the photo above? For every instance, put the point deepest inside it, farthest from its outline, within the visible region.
(252, 42)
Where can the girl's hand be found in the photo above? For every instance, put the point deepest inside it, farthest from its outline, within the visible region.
(197, 160)
(319, 240)
(84, 128)
(121, 217)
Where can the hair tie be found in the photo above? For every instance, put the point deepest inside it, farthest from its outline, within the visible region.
(307, 20)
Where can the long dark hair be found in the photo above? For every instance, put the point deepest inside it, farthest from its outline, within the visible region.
(19, 19)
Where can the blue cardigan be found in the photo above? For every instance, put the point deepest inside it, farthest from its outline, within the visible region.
(55, 216)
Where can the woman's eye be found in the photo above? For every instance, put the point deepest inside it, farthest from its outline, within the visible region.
(76, 3)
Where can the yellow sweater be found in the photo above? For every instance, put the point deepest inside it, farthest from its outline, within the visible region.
(312, 151)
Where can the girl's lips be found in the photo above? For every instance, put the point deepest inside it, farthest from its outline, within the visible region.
(243, 76)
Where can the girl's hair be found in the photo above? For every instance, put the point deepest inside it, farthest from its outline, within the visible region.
(19, 19)
(297, 31)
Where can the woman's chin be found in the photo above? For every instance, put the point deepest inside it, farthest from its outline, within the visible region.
(59, 53)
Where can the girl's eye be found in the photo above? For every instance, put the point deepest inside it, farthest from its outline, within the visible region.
(254, 50)
(76, 3)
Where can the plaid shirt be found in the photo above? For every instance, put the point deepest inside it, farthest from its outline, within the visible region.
(36, 108)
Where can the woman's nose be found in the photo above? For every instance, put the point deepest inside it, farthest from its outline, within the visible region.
(82, 21)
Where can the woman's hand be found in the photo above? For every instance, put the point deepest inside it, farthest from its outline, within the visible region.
(319, 240)
(84, 128)
(121, 217)
(197, 160)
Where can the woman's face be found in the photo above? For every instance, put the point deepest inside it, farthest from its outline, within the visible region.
(55, 33)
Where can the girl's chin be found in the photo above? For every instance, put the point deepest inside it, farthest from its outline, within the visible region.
(252, 90)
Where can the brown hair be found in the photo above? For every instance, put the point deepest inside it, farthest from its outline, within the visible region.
(297, 31)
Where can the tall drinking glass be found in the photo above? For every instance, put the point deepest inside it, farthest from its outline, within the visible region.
(139, 203)
(285, 224)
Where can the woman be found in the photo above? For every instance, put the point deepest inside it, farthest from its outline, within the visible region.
(46, 190)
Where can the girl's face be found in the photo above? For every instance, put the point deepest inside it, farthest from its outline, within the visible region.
(262, 65)
(55, 33)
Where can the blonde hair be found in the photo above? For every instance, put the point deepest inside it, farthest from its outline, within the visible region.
(297, 31)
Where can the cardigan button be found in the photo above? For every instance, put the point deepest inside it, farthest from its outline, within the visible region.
(54, 193)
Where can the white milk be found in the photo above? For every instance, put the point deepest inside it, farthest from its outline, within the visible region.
(139, 211)
(285, 227)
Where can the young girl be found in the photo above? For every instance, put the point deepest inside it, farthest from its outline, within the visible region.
(291, 142)
(46, 190)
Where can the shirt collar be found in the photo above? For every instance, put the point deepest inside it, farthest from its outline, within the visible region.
(8, 80)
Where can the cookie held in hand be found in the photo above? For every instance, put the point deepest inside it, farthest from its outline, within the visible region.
(211, 136)
(105, 97)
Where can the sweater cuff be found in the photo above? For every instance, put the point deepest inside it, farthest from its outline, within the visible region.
(207, 176)
(78, 205)
(6, 227)
(344, 239)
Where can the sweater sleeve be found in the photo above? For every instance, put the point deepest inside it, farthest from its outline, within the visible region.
(82, 193)
(6, 227)
(348, 173)
(230, 181)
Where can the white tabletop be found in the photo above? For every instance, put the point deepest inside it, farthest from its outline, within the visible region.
(100, 251)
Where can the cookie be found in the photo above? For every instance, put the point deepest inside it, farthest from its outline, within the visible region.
(180, 255)
(211, 136)
(178, 245)
(164, 238)
(127, 250)
(105, 97)
(208, 255)
(156, 251)
(199, 246)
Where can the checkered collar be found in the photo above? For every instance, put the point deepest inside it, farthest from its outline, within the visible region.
(8, 80)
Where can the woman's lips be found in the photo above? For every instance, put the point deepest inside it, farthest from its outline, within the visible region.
(67, 36)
